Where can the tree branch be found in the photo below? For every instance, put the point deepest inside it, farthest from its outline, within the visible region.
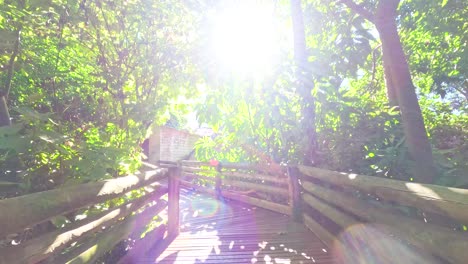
(460, 89)
(11, 65)
(360, 10)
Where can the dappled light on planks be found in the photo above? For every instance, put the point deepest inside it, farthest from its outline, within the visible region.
(233, 232)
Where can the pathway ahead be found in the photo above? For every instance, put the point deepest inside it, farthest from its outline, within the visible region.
(214, 231)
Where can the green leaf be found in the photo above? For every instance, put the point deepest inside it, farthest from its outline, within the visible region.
(59, 221)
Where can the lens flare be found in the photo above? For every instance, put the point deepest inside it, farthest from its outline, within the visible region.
(245, 38)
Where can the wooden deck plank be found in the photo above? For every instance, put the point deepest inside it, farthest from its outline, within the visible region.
(214, 231)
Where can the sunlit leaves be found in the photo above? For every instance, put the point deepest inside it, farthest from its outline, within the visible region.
(356, 128)
(88, 81)
(93, 75)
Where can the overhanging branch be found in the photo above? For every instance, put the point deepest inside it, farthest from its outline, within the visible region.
(358, 9)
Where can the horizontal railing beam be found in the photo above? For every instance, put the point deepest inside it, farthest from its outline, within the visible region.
(257, 187)
(41, 247)
(24, 211)
(442, 200)
(97, 246)
(255, 176)
(444, 242)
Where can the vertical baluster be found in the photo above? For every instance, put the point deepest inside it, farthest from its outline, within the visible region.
(218, 182)
(295, 193)
(174, 197)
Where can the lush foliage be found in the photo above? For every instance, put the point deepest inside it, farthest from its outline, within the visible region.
(357, 129)
(89, 77)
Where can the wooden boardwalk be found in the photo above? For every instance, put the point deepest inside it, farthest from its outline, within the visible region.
(214, 231)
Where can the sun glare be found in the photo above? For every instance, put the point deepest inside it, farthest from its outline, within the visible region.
(245, 38)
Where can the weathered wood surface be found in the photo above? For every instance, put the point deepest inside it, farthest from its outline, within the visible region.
(255, 176)
(43, 206)
(173, 202)
(39, 248)
(194, 162)
(279, 208)
(198, 170)
(196, 176)
(259, 168)
(321, 232)
(275, 207)
(257, 187)
(342, 219)
(95, 247)
(143, 245)
(218, 185)
(442, 200)
(444, 242)
(278, 178)
(295, 200)
(166, 162)
(214, 231)
(197, 187)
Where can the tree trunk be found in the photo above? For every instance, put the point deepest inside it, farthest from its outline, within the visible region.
(305, 83)
(417, 140)
(391, 93)
(4, 112)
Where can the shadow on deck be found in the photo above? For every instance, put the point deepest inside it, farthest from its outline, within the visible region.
(214, 231)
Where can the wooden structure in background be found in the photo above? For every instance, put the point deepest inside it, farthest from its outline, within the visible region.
(167, 143)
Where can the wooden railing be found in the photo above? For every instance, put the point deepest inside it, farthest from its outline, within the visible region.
(249, 184)
(337, 207)
(86, 240)
(425, 216)
(428, 219)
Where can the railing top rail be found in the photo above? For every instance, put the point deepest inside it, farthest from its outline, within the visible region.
(28, 210)
(261, 168)
(433, 198)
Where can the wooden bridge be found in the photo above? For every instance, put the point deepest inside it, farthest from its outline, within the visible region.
(215, 231)
(196, 212)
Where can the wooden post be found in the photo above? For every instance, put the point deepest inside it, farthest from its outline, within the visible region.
(295, 194)
(218, 182)
(173, 205)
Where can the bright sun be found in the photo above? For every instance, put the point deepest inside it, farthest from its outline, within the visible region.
(245, 38)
